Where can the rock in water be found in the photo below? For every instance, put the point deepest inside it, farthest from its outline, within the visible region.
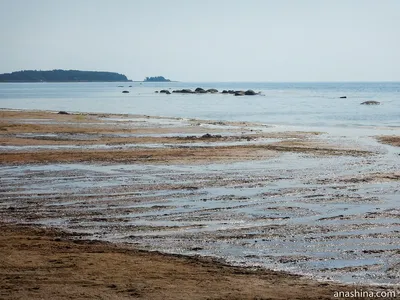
(199, 90)
(370, 103)
(250, 93)
(343, 97)
(239, 93)
(184, 91)
(63, 113)
(165, 92)
(125, 92)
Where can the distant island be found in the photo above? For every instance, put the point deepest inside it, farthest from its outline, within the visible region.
(156, 79)
(61, 76)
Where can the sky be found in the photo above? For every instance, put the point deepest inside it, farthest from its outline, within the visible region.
(206, 40)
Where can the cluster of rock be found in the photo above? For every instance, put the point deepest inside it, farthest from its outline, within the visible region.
(196, 91)
(203, 137)
(237, 93)
(242, 93)
(211, 91)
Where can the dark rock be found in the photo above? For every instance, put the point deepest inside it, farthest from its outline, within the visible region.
(370, 103)
(239, 93)
(250, 93)
(184, 91)
(125, 92)
(165, 92)
(212, 91)
(200, 90)
(196, 248)
(63, 113)
(231, 92)
(210, 136)
(225, 92)
(343, 97)
(156, 92)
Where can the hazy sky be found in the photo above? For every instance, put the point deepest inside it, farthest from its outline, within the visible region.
(206, 40)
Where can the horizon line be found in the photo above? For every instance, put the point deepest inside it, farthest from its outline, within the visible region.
(290, 81)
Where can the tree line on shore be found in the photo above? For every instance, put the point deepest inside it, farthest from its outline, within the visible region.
(61, 76)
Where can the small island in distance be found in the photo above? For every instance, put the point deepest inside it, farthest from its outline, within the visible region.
(62, 76)
(156, 79)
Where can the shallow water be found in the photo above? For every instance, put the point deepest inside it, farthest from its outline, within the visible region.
(294, 212)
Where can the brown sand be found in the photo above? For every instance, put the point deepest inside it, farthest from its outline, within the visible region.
(95, 129)
(393, 140)
(197, 155)
(40, 263)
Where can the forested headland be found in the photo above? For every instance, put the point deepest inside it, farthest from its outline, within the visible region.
(61, 76)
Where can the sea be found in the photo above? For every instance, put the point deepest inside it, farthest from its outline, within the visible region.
(308, 104)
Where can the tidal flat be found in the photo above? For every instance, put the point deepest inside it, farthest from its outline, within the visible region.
(245, 194)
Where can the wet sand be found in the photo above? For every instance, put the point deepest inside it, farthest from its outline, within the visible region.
(44, 137)
(38, 263)
(390, 140)
(234, 190)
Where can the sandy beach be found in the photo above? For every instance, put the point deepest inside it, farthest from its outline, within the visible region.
(41, 263)
(87, 201)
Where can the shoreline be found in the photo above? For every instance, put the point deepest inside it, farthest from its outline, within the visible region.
(68, 267)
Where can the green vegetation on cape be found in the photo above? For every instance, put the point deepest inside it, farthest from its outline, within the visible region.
(61, 76)
(156, 79)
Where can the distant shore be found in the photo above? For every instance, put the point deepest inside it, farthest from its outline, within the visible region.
(62, 76)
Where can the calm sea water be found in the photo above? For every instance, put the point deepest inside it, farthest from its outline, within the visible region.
(304, 104)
